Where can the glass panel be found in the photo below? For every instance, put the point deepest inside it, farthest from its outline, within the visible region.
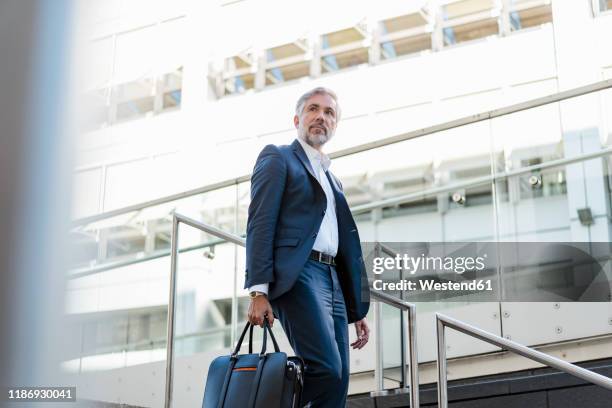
(204, 308)
(287, 73)
(147, 232)
(457, 163)
(404, 22)
(553, 203)
(467, 20)
(135, 99)
(123, 240)
(342, 37)
(405, 46)
(529, 17)
(173, 85)
(391, 340)
(458, 159)
(356, 54)
(240, 83)
(284, 59)
(238, 73)
(461, 8)
(470, 31)
(285, 51)
(344, 59)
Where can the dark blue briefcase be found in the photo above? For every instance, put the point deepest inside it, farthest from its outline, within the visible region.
(263, 380)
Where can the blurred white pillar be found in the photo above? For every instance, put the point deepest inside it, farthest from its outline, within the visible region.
(34, 188)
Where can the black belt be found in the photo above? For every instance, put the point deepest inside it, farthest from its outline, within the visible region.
(323, 258)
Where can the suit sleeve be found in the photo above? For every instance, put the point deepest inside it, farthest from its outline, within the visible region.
(267, 187)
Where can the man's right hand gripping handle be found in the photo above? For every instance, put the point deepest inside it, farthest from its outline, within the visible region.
(260, 308)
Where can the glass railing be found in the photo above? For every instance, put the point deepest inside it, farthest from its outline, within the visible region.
(540, 174)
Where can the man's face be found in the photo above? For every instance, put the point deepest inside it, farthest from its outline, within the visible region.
(317, 123)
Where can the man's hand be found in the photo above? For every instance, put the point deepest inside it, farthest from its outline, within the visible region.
(260, 308)
(363, 333)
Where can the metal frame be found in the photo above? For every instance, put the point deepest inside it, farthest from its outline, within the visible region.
(443, 321)
(532, 103)
(176, 220)
(407, 308)
(413, 365)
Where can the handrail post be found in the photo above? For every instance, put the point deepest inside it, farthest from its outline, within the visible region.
(442, 384)
(378, 369)
(413, 356)
(171, 311)
(403, 348)
(528, 352)
(379, 362)
(404, 318)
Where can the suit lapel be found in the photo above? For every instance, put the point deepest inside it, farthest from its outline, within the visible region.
(301, 154)
(340, 199)
(332, 183)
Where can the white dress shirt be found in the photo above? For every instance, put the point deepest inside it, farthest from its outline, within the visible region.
(327, 237)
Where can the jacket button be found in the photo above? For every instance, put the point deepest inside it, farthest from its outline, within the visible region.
(323, 213)
(314, 235)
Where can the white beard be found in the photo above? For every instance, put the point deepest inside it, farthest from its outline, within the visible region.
(315, 140)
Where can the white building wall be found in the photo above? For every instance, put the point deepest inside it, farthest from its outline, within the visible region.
(211, 140)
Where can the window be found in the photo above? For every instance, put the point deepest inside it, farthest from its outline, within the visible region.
(343, 49)
(466, 20)
(172, 89)
(529, 13)
(135, 99)
(287, 62)
(603, 5)
(404, 35)
(239, 74)
(124, 240)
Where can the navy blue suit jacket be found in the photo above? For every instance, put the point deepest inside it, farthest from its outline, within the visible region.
(285, 214)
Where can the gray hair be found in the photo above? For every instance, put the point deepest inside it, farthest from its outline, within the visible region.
(299, 106)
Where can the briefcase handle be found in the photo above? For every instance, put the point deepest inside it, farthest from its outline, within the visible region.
(249, 327)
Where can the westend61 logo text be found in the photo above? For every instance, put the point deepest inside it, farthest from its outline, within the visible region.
(413, 264)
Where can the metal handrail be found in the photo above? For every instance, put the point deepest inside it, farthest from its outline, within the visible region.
(443, 321)
(177, 218)
(410, 316)
(466, 120)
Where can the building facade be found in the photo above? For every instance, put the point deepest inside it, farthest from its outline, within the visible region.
(186, 95)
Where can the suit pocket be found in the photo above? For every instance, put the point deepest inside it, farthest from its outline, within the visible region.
(286, 242)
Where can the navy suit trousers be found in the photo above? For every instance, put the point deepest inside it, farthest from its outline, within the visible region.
(313, 316)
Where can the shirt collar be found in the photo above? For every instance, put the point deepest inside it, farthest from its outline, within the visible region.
(315, 155)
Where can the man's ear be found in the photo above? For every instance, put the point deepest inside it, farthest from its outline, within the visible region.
(296, 121)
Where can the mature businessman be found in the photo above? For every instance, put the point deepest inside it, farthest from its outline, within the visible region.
(303, 261)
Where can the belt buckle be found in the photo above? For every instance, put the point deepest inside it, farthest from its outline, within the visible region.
(321, 257)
